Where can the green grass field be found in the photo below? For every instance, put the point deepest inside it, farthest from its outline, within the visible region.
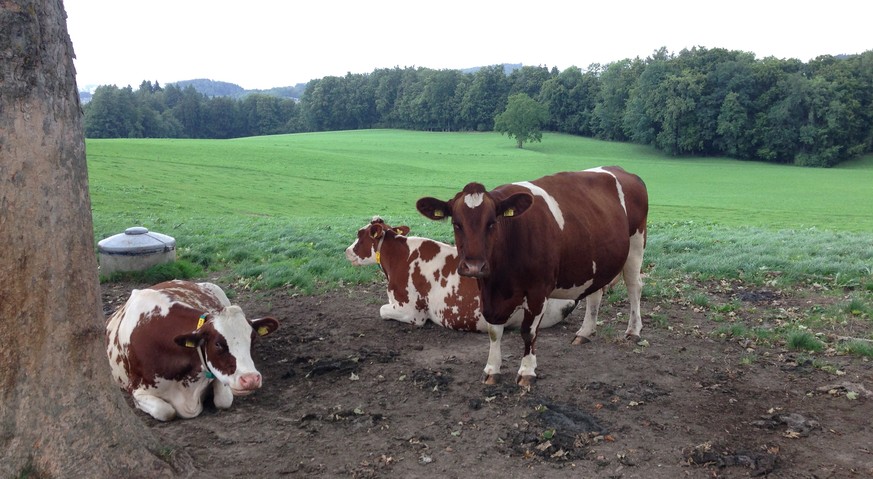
(279, 210)
(358, 173)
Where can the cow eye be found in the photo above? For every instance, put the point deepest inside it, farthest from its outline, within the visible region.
(457, 226)
(221, 345)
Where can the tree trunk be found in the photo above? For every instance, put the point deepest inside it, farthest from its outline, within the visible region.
(60, 413)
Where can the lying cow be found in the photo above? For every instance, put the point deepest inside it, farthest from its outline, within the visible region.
(423, 280)
(169, 342)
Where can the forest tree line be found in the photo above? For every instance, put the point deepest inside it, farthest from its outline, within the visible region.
(703, 102)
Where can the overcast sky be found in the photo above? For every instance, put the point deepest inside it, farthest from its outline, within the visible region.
(263, 44)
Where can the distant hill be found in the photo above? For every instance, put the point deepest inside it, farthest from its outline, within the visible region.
(213, 88)
(507, 68)
(219, 88)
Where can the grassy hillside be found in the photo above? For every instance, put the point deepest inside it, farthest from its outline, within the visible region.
(279, 210)
(359, 173)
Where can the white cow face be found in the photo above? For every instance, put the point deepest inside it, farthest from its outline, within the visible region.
(225, 340)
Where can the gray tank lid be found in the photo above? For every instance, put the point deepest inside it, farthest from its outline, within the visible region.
(136, 241)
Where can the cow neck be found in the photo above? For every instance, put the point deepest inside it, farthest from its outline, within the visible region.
(379, 253)
(200, 350)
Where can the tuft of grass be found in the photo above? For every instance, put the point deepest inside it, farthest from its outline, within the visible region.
(857, 348)
(735, 330)
(857, 307)
(804, 341)
(28, 471)
(700, 300)
(726, 307)
(659, 320)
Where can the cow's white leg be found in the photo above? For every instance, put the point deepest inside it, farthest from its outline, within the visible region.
(589, 322)
(495, 357)
(397, 313)
(633, 280)
(153, 405)
(222, 396)
(527, 369)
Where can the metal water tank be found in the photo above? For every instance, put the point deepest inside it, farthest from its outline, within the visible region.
(135, 250)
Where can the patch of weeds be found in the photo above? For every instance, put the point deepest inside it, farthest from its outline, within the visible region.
(28, 471)
(700, 300)
(804, 341)
(165, 453)
(658, 289)
(763, 335)
(607, 331)
(856, 307)
(748, 359)
(726, 307)
(736, 330)
(616, 295)
(659, 320)
(857, 348)
(180, 269)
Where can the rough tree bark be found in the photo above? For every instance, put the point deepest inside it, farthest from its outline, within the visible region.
(60, 414)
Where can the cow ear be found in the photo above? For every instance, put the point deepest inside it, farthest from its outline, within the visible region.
(376, 231)
(190, 340)
(401, 230)
(515, 205)
(264, 326)
(433, 208)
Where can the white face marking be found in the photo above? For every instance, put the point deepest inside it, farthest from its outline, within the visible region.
(474, 200)
(549, 199)
(600, 169)
(231, 323)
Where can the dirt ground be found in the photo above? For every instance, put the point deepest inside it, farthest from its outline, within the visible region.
(347, 394)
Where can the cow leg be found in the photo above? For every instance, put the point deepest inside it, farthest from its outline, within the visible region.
(153, 405)
(633, 279)
(495, 357)
(392, 311)
(589, 323)
(222, 396)
(527, 370)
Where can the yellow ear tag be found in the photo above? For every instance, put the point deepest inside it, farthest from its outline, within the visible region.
(378, 257)
(438, 213)
(189, 343)
(509, 212)
(263, 330)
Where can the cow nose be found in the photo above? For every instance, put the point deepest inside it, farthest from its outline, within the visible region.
(473, 268)
(250, 381)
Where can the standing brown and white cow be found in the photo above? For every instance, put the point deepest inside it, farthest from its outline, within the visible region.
(423, 281)
(565, 235)
(169, 342)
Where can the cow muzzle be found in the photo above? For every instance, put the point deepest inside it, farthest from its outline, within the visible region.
(248, 383)
(474, 268)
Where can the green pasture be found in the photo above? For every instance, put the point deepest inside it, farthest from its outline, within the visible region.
(361, 173)
(279, 210)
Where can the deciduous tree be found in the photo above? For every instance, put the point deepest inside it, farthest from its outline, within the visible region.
(60, 413)
(522, 120)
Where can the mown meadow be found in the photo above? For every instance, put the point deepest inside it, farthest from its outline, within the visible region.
(278, 211)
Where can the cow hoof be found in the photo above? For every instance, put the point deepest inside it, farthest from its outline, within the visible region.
(580, 340)
(490, 379)
(525, 381)
(632, 337)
